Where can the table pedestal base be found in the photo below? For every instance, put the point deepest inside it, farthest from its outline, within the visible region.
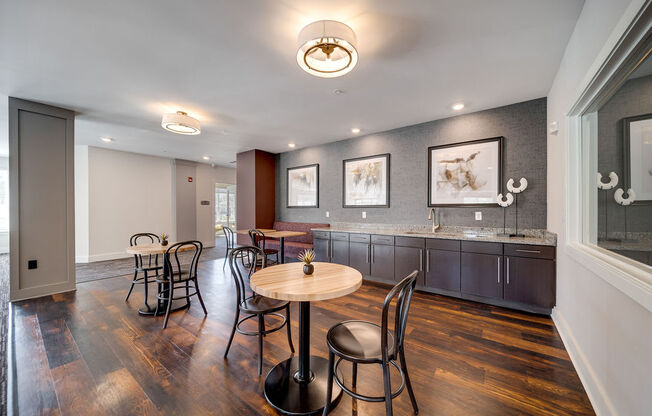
(290, 397)
(176, 305)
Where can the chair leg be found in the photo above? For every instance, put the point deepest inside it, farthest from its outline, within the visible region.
(329, 383)
(354, 376)
(169, 306)
(261, 328)
(226, 256)
(132, 285)
(201, 300)
(388, 389)
(288, 323)
(408, 384)
(146, 284)
(235, 323)
(158, 301)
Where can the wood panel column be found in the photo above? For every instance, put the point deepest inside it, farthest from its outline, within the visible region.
(256, 191)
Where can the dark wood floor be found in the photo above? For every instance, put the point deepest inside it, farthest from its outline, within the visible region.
(89, 352)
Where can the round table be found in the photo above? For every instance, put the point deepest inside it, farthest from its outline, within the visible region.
(297, 386)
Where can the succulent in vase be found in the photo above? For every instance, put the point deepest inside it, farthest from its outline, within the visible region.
(307, 257)
(164, 239)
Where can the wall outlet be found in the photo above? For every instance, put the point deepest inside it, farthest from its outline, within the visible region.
(364, 214)
(478, 215)
(328, 214)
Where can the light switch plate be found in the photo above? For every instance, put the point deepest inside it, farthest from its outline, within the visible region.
(364, 214)
(478, 215)
(328, 214)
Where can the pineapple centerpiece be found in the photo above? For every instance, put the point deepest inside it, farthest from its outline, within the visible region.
(307, 257)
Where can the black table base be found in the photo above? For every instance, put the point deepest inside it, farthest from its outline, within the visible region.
(177, 305)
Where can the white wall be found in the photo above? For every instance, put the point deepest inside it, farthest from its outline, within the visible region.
(81, 204)
(207, 177)
(608, 335)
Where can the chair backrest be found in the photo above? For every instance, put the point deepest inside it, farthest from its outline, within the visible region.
(254, 256)
(144, 238)
(257, 238)
(230, 237)
(403, 293)
(186, 248)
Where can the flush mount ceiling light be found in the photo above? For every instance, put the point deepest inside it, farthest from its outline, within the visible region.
(181, 123)
(327, 49)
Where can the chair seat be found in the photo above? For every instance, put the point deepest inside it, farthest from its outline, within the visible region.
(269, 251)
(358, 340)
(149, 268)
(261, 304)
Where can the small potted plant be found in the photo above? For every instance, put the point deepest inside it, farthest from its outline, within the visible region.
(164, 239)
(307, 257)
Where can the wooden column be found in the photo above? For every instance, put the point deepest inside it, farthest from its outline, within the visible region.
(256, 191)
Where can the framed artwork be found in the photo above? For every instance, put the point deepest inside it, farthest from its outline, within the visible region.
(303, 187)
(637, 139)
(465, 174)
(366, 182)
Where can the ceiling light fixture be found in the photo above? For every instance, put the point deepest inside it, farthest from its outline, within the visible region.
(181, 123)
(355, 130)
(292, 145)
(458, 106)
(106, 139)
(206, 157)
(327, 49)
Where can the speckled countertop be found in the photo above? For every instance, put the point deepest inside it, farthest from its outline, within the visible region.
(534, 237)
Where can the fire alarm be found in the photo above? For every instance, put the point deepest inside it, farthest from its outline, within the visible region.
(189, 178)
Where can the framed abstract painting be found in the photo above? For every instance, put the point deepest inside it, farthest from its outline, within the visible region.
(303, 186)
(465, 174)
(366, 182)
(638, 157)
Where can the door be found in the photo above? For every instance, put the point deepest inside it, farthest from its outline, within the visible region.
(340, 252)
(359, 257)
(382, 261)
(481, 275)
(320, 245)
(530, 281)
(443, 270)
(407, 260)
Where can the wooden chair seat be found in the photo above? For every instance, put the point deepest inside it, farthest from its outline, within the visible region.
(359, 341)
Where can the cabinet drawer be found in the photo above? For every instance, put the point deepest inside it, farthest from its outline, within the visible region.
(359, 238)
(339, 236)
(325, 235)
(482, 247)
(437, 244)
(525, 250)
(387, 240)
(410, 242)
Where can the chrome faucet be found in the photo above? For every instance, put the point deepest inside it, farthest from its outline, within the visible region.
(434, 216)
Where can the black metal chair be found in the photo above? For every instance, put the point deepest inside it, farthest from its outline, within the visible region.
(255, 306)
(362, 342)
(151, 266)
(177, 278)
(258, 240)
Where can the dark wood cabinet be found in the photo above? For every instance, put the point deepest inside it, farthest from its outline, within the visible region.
(321, 247)
(482, 275)
(530, 281)
(359, 257)
(407, 260)
(443, 270)
(340, 252)
(382, 261)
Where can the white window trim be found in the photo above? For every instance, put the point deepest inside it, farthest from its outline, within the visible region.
(630, 277)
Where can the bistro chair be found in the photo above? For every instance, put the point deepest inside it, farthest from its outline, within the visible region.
(258, 240)
(230, 237)
(144, 266)
(255, 306)
(176, 278)
(362, 342)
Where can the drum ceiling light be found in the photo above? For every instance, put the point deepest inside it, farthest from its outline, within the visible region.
(181, 123)
(327, 49)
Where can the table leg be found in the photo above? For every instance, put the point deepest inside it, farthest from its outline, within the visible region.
(282, 244)
(176, 305)
(297, 386)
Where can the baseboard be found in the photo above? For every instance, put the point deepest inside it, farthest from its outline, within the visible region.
(594, 389)
(107, 256)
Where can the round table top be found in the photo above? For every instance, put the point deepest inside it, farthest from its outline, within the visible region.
(156, 248)
(287, 282)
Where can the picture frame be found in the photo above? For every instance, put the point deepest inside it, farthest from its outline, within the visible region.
(365, 182)
(302, 186)
(637, 168)
(465, 174)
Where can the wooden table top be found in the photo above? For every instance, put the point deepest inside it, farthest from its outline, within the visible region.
(287, 281)
(156, 248)
(275, 234)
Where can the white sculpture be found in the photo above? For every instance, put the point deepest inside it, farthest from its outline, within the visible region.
(522, 187)
(618, 196)
(613, 181)
(509, 198)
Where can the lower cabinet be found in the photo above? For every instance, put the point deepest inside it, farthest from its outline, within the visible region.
(443, 270)
(320, 245)
(359, 257)
(382, 261)
(407, 260)
(482, 275)
(530, 281)
(340, 251)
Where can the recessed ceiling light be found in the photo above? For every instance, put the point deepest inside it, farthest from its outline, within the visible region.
(338, 92)
(292, 145)
(206, 157)
(106, 139)
(180, 123)
(327, 49)
(458, 106)
(355, 130)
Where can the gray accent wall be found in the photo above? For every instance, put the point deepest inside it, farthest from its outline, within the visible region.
(523, 126)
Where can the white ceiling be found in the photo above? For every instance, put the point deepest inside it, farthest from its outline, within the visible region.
(121, 64)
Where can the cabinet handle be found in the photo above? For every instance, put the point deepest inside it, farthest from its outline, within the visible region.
(427, 261)
(528, 251)
(420, 260)
(330, 249)
(507, 270)
(498, 264)
(373, 253)
(367, 252)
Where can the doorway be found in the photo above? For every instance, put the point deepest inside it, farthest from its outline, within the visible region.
(225, 204)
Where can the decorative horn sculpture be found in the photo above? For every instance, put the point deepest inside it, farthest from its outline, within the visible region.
(631, 197)
(521, 187)
(613, 181)
(507, 201)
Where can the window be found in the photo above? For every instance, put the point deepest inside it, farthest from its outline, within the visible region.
(225, 203)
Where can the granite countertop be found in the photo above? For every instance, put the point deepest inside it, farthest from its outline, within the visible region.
(533, 237)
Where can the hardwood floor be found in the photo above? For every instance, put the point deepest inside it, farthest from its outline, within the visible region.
(89, 352)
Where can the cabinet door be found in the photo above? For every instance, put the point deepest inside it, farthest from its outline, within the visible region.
(443, 270)
(482, 275)
(320, 246)
(382, 261)
(359, 257)
(340, 252)
(407, 260)
(530, 281)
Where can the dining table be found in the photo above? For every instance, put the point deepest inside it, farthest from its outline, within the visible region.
(280, 234)
(159, 249)
(297, 386)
